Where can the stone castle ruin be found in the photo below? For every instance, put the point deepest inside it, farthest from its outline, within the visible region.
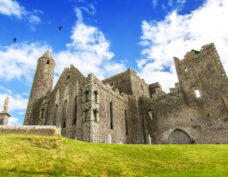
(125, 109)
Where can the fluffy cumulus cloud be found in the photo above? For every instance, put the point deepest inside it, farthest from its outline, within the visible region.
(10, 7)
(20, 60)
(13, 121)
(88, 51)
(17, 102)
(13, 8)
(178, 34)
(34, 19)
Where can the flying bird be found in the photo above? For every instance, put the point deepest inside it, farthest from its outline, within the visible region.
(60, 28)
(14, 40)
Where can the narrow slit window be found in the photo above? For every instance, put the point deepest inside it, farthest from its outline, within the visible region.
(95, 114)
(111, 116)
(68, 77)
(86, 114)
(55, 114)
(126, 121)
(197, 93)
(75, 110)
(186, 69)
(95, 94)
(48, 62)
(42, 113)
(64, 115)
(87, 95)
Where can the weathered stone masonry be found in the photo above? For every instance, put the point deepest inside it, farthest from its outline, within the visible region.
(125, 109)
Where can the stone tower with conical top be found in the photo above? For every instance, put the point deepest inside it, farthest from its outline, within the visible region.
(42, 84)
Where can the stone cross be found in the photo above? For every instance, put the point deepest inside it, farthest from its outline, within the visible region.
(6, 105)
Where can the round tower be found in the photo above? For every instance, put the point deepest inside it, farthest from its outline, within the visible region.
(42, 84)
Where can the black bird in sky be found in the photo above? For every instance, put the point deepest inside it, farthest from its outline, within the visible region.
(14, 40)
(60, 28)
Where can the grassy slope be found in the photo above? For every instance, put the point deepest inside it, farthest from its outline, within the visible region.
(57, 156)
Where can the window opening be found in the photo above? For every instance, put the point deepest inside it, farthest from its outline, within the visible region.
(42, 112)
(95, 94)
(86, 114)
(197, 93)
(186, 69)
(95, 114)
(55, 114)
(75, 110)
(87, 95)
(126, 121)
(64, 114)
(68, 77)
(111, 116)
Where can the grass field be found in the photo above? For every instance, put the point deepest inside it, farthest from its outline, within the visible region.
(57, 156)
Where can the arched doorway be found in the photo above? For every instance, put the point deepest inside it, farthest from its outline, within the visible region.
(179, 136)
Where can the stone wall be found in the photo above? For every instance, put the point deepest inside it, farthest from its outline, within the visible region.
(4, 118)
(197, 105)
(121, 81)
(29, 130)
(67, 89)
(125, 109)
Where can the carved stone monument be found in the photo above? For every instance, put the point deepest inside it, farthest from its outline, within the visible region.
(4, 115)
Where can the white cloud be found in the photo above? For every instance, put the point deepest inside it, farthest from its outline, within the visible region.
(91, 10)
(181, 1)
(21, 113)
(10, 7)
(13, 8)
(17, 102)
(34, 19)
(178, 34)
(5, 90)
(79, 14)
(170, 3)
(154, 3)
(88, 51)
(20, 60)
(13, 121)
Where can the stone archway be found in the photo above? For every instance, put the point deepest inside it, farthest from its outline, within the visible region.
(179, 136)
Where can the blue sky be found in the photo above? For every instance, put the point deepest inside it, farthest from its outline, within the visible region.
(103, 37)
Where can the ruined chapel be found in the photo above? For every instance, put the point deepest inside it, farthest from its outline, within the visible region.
(125, 109)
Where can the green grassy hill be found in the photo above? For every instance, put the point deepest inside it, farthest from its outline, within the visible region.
(57, 156)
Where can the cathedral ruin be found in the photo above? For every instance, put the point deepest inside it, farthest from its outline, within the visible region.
(125, 109)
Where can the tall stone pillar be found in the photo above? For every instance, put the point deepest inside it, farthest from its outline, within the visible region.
(4, 115)
(90, 106)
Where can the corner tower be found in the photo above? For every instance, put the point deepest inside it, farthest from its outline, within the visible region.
(203, 81)
(42, 84)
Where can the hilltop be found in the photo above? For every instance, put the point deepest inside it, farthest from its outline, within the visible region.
(22, 155)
